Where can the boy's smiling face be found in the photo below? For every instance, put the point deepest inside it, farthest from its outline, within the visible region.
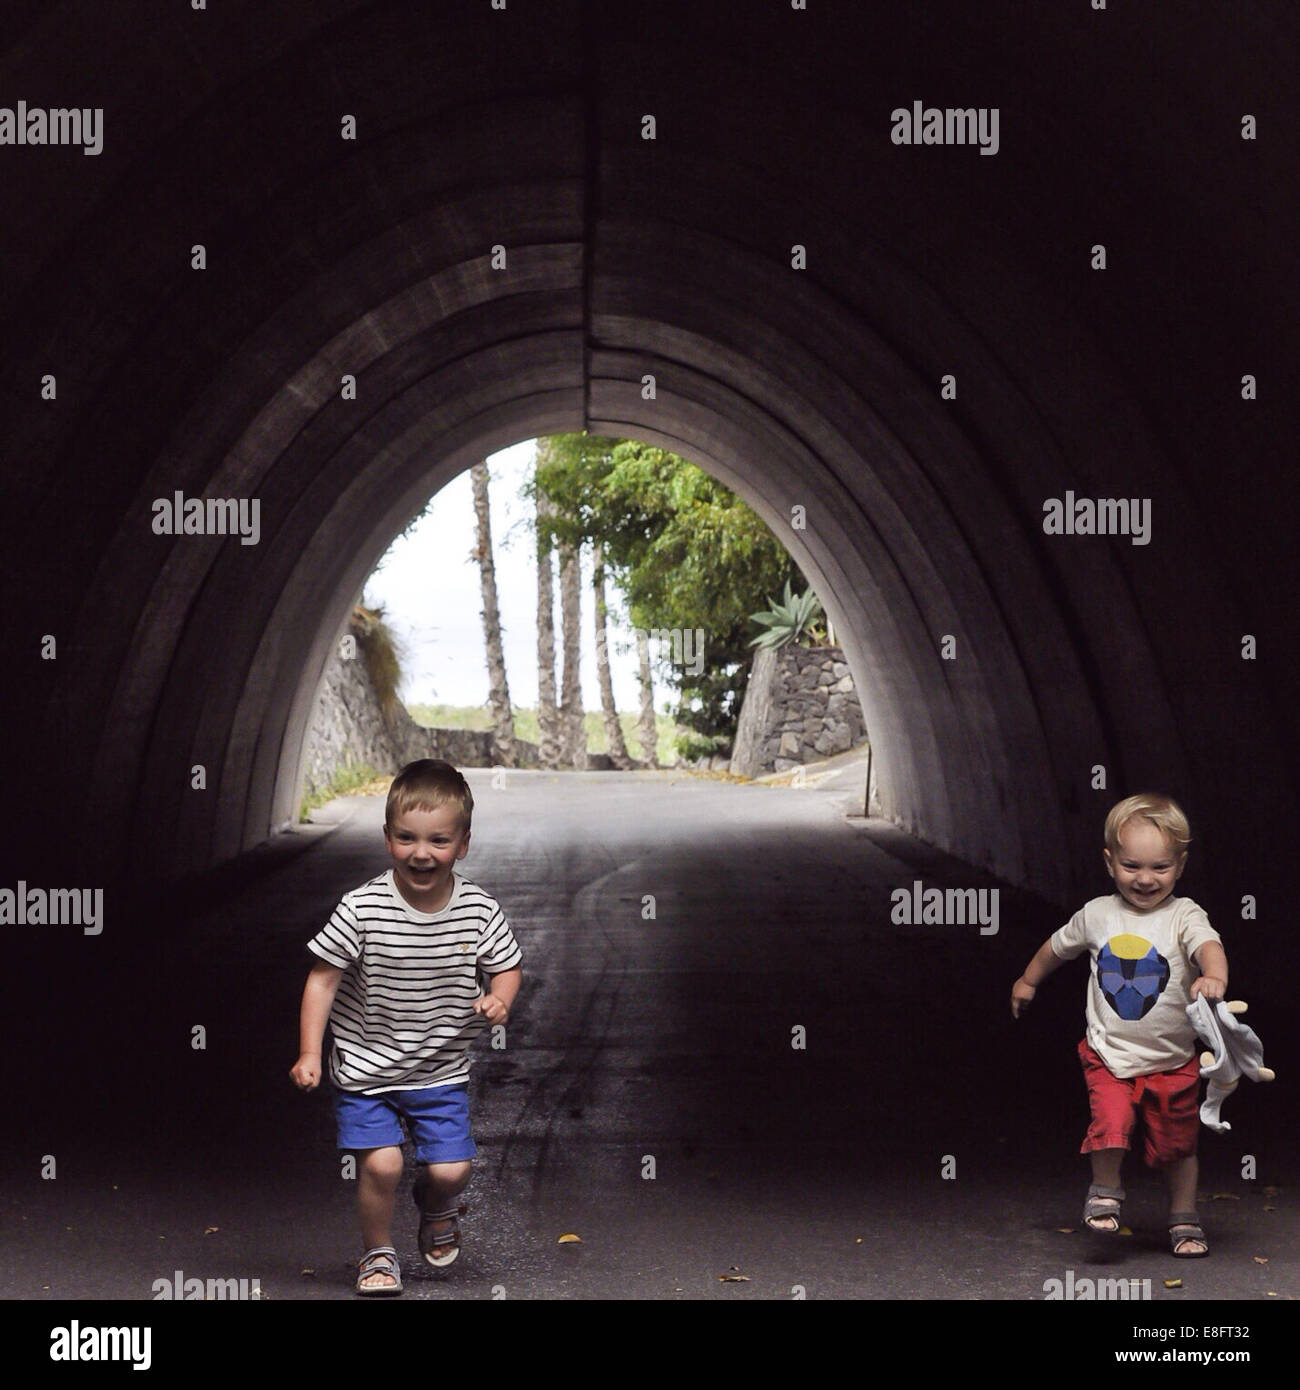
(1146, 866)
(424, 846)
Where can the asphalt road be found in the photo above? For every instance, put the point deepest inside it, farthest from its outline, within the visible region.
(921, 1145)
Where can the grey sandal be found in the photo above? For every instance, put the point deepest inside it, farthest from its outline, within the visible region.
(1103, 1204)
(381, 1260)
(1189, 1224)
(448, 1241)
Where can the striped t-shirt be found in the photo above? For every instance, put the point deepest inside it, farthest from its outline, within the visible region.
(403, 1014)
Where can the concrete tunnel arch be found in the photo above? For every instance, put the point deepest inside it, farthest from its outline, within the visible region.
(817, 387)
(884, 546)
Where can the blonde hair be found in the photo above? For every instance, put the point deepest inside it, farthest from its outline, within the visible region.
(1162, 811)
(425, 785)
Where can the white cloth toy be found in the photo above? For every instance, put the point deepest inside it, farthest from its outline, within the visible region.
(1237, 1052)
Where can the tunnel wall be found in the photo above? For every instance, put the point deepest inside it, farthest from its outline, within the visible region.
(814, 388)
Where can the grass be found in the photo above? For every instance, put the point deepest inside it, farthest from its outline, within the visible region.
(344, 782)
(477, 717)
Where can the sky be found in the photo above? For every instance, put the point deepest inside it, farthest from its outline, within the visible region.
(438, 622)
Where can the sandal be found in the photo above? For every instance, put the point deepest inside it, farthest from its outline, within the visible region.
(381, 1260)
(1190, 1225)
(448, 1241)
(1103, 1204)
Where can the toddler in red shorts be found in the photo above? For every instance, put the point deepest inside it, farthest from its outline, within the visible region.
(1152, 953)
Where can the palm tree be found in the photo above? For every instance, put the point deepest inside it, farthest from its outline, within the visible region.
(549, 732)
(498, 688)
(613, 730)
(647, 730)
(571, 712)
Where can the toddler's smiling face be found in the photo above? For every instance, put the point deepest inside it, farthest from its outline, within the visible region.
(424, 846)
(1146, 866)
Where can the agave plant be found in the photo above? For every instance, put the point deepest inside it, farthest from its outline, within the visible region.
(789, 620)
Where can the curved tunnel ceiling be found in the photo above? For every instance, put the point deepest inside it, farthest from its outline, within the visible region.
(816, 387)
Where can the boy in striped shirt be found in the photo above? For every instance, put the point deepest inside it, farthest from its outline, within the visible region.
(398, 980)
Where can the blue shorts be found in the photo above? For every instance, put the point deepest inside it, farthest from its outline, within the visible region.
(437, 1116)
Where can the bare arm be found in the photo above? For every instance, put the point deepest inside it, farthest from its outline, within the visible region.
(1044, 962)
(317, 1001)
(501, 991)
(1212, 961)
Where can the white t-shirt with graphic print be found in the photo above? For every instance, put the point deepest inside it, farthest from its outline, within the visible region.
(1142, 969)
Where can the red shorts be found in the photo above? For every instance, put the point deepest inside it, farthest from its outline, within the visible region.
(1169, 1102)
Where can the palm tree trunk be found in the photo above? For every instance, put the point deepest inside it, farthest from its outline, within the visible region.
(613, 731)
(549, 733)
(647, 731)
(498, 688)
(571, 712)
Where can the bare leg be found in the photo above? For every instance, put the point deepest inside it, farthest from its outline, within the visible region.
(446, 1182)
(376, 1187)
(1106, 1165)
(1181, 1177)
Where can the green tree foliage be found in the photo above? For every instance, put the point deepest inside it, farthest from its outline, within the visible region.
(686, 553)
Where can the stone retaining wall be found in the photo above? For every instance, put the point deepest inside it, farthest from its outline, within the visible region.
(800, 706)
(348, 729)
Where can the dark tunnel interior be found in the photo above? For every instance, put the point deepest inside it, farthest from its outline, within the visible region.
(771, 287)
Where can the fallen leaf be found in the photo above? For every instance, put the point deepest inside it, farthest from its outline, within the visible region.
(569, 1239)
(1260, 1259)
(1270, 1208)
(308, 1273)
(211, 1230)
(733, 1276)
(1124, 1231)
(1173, 1283)
(858, 1241)
(1066, 1230)
(1224, 1197)
(1272, 1294)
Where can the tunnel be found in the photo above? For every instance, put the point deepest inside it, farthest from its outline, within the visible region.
(328, 255)
(493, 249)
